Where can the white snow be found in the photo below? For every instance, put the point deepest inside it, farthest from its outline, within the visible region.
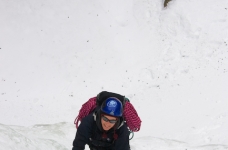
(170, 62)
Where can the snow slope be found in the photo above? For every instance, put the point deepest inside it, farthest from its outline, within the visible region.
(170, 62)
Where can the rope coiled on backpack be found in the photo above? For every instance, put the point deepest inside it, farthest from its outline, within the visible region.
(86, 109)
(131, 117)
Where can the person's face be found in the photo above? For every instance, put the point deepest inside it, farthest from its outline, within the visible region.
(108, 122)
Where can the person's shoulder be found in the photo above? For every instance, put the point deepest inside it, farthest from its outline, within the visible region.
(89, 118)
(87, 123)
(122, 127)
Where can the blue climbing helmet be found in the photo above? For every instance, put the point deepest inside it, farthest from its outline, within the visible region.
(112, 106)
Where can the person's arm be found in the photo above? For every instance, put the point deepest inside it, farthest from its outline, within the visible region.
(122, 142)
(83, 133)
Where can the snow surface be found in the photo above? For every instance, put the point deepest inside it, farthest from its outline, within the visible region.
(170, 62)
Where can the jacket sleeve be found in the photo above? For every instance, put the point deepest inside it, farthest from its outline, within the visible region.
(122, 142)
(83, 133)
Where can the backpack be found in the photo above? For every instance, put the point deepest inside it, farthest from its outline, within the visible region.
(130, 115)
